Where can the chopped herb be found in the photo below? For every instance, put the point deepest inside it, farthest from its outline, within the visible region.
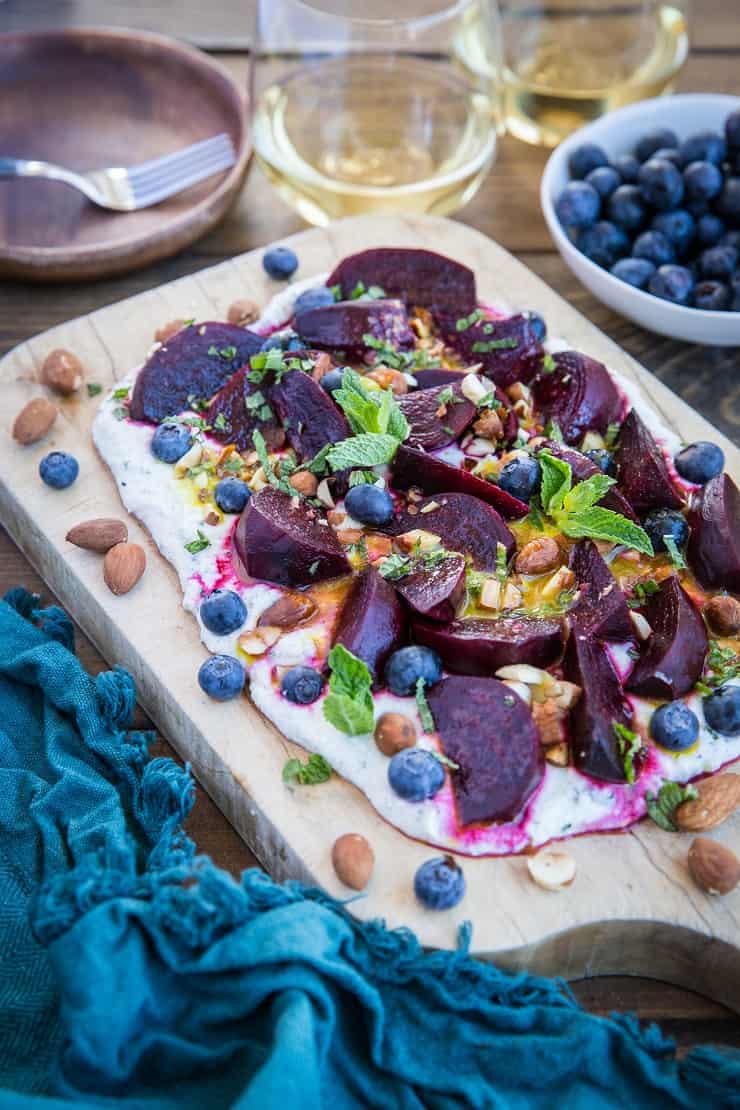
(425, 713)
(349, 704)
(265, 362)
(549, 365)
(553, 432)
(489, 401)
(399, 360)
(314, 771)
(641, 591)
(398, 566)
(221, 424)
(447, 396)
(633, 653)
(121, 394)
(629, 744)
(446, 761)
(198, 404)
(261, 448)
(199, 544)
(466, 322)
(234, 463)
(676, 557)
(482, 347)
(487, 329)
(362, 478)
(509, 700)
(612, 435)
(723, 664)
(314, 567)
(662, 807)
(188, 323)
(448, 430)
(255, 400)
(374, 293)
(120, 412)
(227, 353)
(94, 388)
(501, 563)
(336, 292)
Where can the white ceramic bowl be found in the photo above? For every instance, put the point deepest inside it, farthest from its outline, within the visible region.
(618, 133)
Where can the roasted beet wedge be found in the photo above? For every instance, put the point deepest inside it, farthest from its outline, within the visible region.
(196, 362)
(435, 421)
(232, 422)
(517, 360)
(417, 277)
(643, 475)
(341, 326)
(310, 418)
(579, 395)
(489, 732)
(480, 646)
(435, 592)
(595, 745)
(463, 523)
(286, 543)
(673, 656)
(372, 623)
(600, 608)
(412, 467)
(583, 468)
(714, 543)
(432, 376)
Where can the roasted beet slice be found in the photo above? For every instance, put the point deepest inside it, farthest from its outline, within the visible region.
(579, 395)
(310, 418)
(463, 523)
(436, 422)
(481, 646)
(600, 608)
(595, 745)
(583, 468)
(517, 360)
(341, 326)
(435, 592)
(232, 422)
(643, 475)
(417, 277)
(489, 732)
(673, 656)
(714, 543)
(196, 362)
(432, 376)
(286, 543)
(372, 623)
(412, 467)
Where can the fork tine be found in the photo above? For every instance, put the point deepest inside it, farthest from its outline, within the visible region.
(184, 168)
(153, 192)
(171, 162)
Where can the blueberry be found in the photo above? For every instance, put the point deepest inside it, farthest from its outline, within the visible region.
(710, 230)
(58, 469)
(313, 298)
(332, 380)
(222, 677)
(231, 495)
(654, 140)
(731, 239)
(672, 283)
(578, 205)
(369, 504)
(705, 146)
(407, 665)
(699, 462)
(735, 306)
(635, 271)
(171, 441)
(668, 154)
(415, 774)
(661, 183)
(678, 227)
(626, 207)
(439, 884)
(665, 522)
(674, 726)
(538, 325)
(722, 710)
(718, 262)
(653, 246)
(713, 296)
(604, 180)
(586, 158)
(703, 181)
(521, 477)
(698, 208)
(280, 263)
(728, 204)
(732, 129)
(302, 685)
(286, 340)
(222, 612)
(627, 166)
(601, 458)
(603, 243)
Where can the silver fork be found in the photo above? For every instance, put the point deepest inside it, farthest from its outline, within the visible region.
(125, 190)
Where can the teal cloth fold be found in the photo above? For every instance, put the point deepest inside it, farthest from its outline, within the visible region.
(136, 973)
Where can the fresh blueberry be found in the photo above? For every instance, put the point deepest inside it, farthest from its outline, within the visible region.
(626, 207)
(231, 494)
(604, 179)
(699, 462)
(586, 158)
(661, 183)
(369, 504)
(653, 246)
(222, 612)
(731, 239)
(628, 167)
(718, 262)
(665, 522)
(280, 263)
(672, 283)
(171, 441)
(601, 458)
(735, 306)
(722, 710)
(635, 271)
(332, 380)
(698, 207)
(407, 665)
(313, 298)
(439, 884)
(710, 230)
(286, 340)
(668, 154)
(521, 477)
(732, 129)
(703, 181)
(678, 227)
(712, 296)
(222, 677)
(603, 243)
(538, 325)
(415, 774)
(302, 685)
(58, 469)
(728, 204)
(674, 726)
(654, 140)
(705, 146)
(578, 205)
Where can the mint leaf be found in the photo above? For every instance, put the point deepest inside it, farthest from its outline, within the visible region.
(557, 479)
(349, 704)
(349, 675)
(396, 566)
(549, 364)
(362, 478)
(362, 450)
(398, 425)
(94, 388)
(197, 545)
(629, 744)
(552, 431)
(603, 524)
(662, 807)
(314, 771)
(352, 717)
(587, 493)
(425, 713)
(501, 563)
(676, 557)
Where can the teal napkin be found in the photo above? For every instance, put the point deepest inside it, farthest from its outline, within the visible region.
(136, 973)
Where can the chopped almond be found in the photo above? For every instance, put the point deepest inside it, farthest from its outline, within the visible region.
(389, 379)
(417, 539)
(561, 580)
(489, 425)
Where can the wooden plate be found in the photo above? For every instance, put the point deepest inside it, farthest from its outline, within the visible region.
(95, 97)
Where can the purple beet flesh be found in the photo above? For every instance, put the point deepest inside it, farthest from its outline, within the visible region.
(372, 623)
(714, 542)
(478, 646)
(505, 365)
(310, 417)
(342, 326)
(417, 277)
(412, 467)
(232, 422)
(583, 468)
(579, 395)
(435, 592)
(600, 608)
(595, 746)
(436, 423)
(463, 523)
(643, 475)
(673, 656)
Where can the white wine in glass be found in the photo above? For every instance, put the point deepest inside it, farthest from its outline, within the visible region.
(366, 107)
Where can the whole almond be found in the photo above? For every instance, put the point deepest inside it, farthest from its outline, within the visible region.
(353, 860)
(288, 610)
(34, 420)
(123, 566)
(100, 534)
(713, 867)
(723, 614)
(243, 312)
(718, 798)
(62, 371)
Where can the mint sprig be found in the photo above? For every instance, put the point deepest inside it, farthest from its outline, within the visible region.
(315, 770)
(376, 420)
(663, 805)
(349, 704)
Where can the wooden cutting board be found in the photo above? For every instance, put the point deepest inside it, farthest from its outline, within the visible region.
(632, 909)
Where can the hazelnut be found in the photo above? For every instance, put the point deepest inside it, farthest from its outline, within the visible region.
(288, 610)
(538, 556)
(62, 371)
(168, 330)
(489, 425)
(723, 614)
(394, 732)
(304, 483)
(549, 718)
(389, 379)
(353, 860)
(243, 312)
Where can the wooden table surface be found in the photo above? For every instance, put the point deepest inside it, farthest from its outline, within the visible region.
(507, 209)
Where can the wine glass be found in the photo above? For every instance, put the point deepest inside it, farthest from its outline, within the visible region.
(375, 105)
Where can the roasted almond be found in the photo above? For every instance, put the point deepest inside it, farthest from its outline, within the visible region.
(100, 534)
(62, 371)
(288, 610)
(353, 860)
(34, 420)
(718, 797)
(243, 312)
(713, 867)
(123, 566)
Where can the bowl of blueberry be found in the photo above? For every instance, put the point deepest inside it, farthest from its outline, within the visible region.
(644, 207)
